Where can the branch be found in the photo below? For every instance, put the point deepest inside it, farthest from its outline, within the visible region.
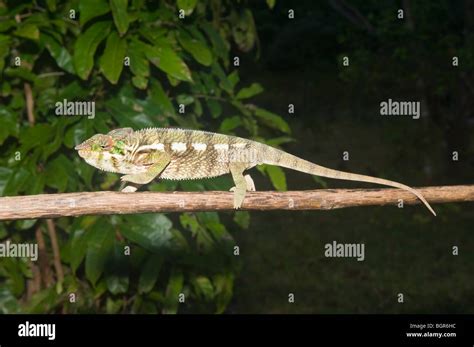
(97, 203)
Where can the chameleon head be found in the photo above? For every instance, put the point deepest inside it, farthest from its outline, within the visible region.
(102, 151)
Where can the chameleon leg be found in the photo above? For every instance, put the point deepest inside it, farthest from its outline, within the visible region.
(240, 184)
(250, 183)
(160, 160)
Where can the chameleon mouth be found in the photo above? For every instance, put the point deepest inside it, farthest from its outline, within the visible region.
(83, 153)
(81, 146)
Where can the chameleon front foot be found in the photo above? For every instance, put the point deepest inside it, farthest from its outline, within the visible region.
(129, 189)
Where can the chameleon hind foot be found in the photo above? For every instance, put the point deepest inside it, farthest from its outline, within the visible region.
(250, 184)
(242, 184)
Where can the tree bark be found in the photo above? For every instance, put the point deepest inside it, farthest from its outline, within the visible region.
(100, 203)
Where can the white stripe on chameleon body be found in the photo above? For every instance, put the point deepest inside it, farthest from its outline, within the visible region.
(199, 146)
(221, 146)
(239, 145)
(157, 146)
(178, 146)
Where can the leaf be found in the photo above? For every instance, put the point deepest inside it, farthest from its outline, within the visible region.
(4, 50)
(28, 31)
(203, 287)
(151, 231)
(119, 12)
(197, 48)
(220, 46)
(244, 31)
(279, 140)
(18, 182)
(140, 82)
(58, 52)
(211, 221)
(20, 72)
(5, 174)
(15, 280)
(175, 285)
(8, 302)
(139, 65)
(242, 218)
(86, 46)
(159, 96)
(39, 135)
(9, 124)
(51, 5)
(223, 284)
(277, 176)
(99, 247)
(233, 78)
(116, 270)
(272, 120)
(89, 9)
(167, 60)
(58, 172)
(185, 99)
(150, 272)
(271, 3)
(6, 24)
(187, 5)
(113, 306)
(111, 62)
(215, 107)
(248, 92)
(42, 301)
(197, 107)
(78, 248)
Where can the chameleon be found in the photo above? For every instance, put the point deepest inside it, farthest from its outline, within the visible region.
(182, 154)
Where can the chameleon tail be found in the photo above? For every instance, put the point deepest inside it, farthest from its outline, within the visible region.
(273, 156)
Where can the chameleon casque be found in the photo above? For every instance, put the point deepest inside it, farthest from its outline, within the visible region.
(179, 154)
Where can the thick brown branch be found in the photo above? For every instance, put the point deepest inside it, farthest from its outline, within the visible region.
(96, 203)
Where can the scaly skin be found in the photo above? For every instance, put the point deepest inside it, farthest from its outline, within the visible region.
(179, 154)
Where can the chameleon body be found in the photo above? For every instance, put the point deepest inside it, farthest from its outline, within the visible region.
(179, 154)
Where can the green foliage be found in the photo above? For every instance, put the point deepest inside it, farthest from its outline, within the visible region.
(137, 61)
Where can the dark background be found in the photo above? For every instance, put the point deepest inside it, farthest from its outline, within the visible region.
(337, 109)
